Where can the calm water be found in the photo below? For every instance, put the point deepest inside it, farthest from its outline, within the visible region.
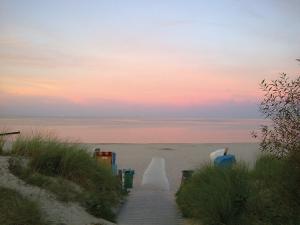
(99, 130)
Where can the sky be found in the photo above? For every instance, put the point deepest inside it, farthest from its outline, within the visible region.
(143, 58)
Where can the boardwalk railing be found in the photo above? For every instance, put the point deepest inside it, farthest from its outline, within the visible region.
(10, 133)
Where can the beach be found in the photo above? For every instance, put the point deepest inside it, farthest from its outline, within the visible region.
(162, 164)
(156, 205)
(110, 112)
(183, 142)
(149, 148)
(177, 157)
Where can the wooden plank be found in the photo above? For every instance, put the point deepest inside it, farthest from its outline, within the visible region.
(10, 133)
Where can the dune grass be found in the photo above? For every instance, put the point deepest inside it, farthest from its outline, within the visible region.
(33, 145)
(215, 195)
(266, 195)
(2, 141)
(52, 157)
(63, 189)
(274, 200)
(15, 209)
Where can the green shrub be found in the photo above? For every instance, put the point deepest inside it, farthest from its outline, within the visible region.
(63, 189)
(273, 200)
(16, 167)
(294, 172)
(33, 145)
(266, 195)
(15, 209)
(281, 106)
(2, 141)
(99, 205)
(51, 157)
(268, 170)
(74, 164)
(216, 195)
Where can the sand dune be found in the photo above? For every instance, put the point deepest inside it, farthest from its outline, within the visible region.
(57, 212)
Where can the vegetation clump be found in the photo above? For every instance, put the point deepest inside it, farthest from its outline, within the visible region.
(51, 158)
(2, 141)
(216, 195)
(15, 209)
(266, 195)
(273, 199)
(63, 189)
(269, 193)
(281, 104)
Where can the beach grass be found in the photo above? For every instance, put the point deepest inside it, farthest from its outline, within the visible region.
(51, 157)
(15, 209)
(33, 145)
(215, 195)
(275, 192)
(268, 194)
(63, 189)
(1, 145)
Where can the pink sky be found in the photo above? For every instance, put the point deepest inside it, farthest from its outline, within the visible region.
(180, 56)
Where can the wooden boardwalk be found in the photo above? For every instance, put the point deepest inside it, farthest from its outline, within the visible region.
(151, 203)
(150, 207)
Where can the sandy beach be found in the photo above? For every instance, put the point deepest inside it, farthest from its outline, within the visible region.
(157, 206)
(177, 157)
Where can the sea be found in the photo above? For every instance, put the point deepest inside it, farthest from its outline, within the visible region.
(137, 130)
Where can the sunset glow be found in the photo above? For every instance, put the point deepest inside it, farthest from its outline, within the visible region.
(155, 54)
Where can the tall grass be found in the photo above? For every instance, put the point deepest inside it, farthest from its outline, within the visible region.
(15, 209)
(33, 145)
(2, 141)
(216, 195)
(63, 189)
(51, 157)
(266, 195)
(274, 188)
